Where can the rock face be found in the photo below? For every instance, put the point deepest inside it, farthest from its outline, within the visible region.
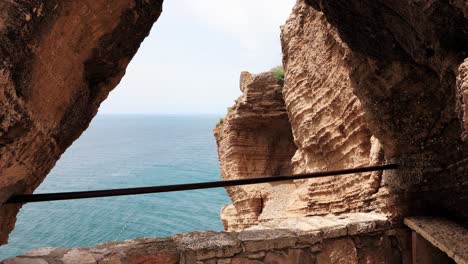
(404, 64)
(60, 59)
(326, 118)
(462, 93)
(255, 140)
(368, 83)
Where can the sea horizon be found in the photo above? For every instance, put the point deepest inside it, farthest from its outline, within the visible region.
(120, 151)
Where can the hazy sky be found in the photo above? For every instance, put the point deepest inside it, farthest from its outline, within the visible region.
(192, 59)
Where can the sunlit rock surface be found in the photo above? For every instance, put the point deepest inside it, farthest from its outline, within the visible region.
(255, 139)
(59, 60)
(368, 83)
(326, 118)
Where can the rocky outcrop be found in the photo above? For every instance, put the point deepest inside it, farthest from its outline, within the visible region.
(327, 119)
(369, 83)
(327, 124)
(403, 69)
(351, 238)
(255, 139)
(59, 61)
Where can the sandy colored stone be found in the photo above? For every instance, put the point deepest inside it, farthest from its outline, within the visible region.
(327, 123)
(253, 245)
(25, 261)
(224, 261)
(111, 259)
(209, 261)
(39, 252)
(403, 61)
(156, 259)
(330, 227)
(150, 250)
(255, 139)
(208, 244)
(340, 251)
(307, 233)
(359, 223)
(245, 261)
(327, 119)
(258, 240)
(256, 255)
(386, 88)
(291, 256)
(78, 256)
(57, 66)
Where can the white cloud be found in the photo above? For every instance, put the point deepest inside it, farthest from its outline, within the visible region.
(251, 22)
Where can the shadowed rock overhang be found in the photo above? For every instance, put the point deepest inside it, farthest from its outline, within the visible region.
(59, 61)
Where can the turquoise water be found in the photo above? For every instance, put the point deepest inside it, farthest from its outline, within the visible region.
(119, 151)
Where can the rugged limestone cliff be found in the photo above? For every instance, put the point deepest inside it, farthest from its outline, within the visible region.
(366, 83)
(59, 60)
(327, 119)
(403, 68)
(254, 140)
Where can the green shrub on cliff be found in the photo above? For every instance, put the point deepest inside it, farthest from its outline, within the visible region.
(278, 73)
(220, 121)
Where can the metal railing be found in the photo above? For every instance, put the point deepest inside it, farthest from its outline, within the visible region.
(43, 197)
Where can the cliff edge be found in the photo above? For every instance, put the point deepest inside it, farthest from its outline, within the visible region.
(365, 83)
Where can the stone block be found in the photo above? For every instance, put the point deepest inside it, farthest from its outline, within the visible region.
(330, 227)
(340, 251)
(291, 256)
(162, 250)
(360, 223)
(78, 256)
(245, 261)
(258, 240)
(209, 244)
(24, 261)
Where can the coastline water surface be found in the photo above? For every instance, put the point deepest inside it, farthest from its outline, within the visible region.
(119, 151)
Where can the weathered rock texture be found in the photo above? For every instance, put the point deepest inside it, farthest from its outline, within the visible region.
(462, 93)
(351, 238)
(254, 140)
(403, 65)
(327, 119)
(367, 82)
(59, 60)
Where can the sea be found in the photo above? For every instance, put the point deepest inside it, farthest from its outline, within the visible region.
(121, 151)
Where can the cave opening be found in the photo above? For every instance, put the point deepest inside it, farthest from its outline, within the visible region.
(178, 77)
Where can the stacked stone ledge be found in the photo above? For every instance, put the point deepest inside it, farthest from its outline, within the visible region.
(325, 239)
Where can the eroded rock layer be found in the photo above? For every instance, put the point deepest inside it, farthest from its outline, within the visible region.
(59, 61)
(255, 139)
(404, 61)
(371, 82)
(326, 118)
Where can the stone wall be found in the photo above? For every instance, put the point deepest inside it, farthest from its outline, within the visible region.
(349, 238)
